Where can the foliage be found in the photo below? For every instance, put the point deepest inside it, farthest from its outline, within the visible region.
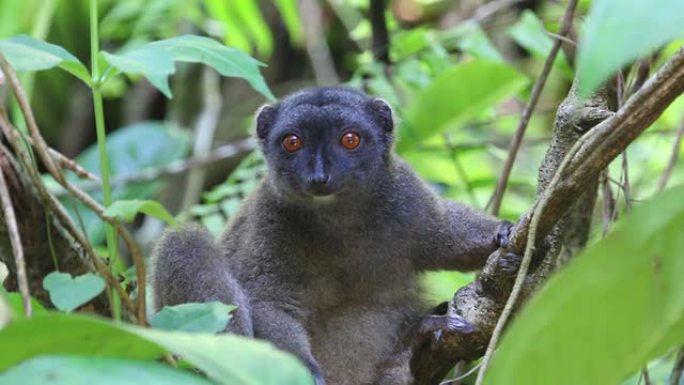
(226, 359)
(615, 307)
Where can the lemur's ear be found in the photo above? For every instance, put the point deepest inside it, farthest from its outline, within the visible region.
(383, 114)
(264, 121)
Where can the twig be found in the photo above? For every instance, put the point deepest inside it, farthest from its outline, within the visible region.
(560, 37)
(673, 159)
(21, 98)
(461, 170)
(15, 240)
(316, 46)
(529, 109)
(205, 128)
(177, 167)
(626, 188)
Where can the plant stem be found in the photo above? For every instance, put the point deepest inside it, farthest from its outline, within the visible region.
(101, 146)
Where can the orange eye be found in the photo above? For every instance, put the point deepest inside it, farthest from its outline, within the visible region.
(350, 140)
(292, 143)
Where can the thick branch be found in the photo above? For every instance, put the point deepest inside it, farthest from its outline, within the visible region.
(481, 302)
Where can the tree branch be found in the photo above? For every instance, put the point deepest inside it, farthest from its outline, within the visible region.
(481, 302)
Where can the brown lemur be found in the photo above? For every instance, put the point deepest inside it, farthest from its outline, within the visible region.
(323, 258)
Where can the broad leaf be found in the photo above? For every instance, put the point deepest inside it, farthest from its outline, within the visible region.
(607, 313)
(226, 359)
(617, 32)
(456, 95)
(81, 370)
(127, 210)
(58, 333)
(25, 53)
(68, 293)
(156, 61)
(210, 317)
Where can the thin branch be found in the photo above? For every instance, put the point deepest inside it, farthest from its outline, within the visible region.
(205, 129)
(15, 240)
(224, 152)
(529, 109)
(673, 159)
(21, 98)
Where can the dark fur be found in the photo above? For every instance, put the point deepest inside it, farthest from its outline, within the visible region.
(334, 281)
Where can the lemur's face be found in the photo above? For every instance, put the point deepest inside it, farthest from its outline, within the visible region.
(325, 143)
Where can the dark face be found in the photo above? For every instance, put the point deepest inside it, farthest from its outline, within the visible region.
(326, 147)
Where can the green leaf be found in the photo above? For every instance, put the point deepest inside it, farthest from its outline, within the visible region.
(126, 210)
(78, 370)
(230, 359)
(530, 33)
(456, 95)
(602, 317)
(58, 333)
(210, 317)
(25, 53)
(156, 61)
(68, 293)
(226, 359)
(617, 32)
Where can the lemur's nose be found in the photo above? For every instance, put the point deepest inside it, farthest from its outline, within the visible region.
(319, 179)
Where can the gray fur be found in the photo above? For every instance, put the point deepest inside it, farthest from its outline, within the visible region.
(333, 280)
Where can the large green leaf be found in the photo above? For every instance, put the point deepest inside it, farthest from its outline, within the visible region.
(58, 333)
(226, 359)
(156, 61)
(606, 314)
(456, 95)
(68, 293)
(231, 360)
(81, 370)
(618, 31)
(209, 317)
(28, 54)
